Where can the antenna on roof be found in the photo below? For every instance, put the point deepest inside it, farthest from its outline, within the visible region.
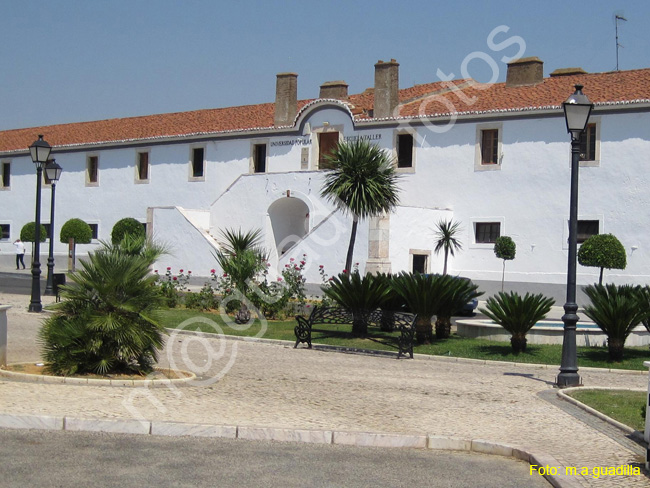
(617, 18)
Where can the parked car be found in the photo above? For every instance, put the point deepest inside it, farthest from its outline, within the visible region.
(468, 309)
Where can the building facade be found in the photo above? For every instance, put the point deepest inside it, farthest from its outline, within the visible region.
(495, 157)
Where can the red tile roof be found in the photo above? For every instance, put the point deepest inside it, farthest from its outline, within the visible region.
(432, 99)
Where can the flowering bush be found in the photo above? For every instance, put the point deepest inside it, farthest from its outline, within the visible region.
(172, 285)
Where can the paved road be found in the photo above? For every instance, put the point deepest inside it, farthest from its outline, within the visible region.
(71, 459)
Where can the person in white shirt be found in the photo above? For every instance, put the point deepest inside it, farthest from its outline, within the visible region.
(20, 253)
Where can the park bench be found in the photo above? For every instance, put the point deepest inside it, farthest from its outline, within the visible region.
(403, 322)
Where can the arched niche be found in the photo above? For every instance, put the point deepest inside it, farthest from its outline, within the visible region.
(289, 218)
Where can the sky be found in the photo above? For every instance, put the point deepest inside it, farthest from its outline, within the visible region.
(79, 60)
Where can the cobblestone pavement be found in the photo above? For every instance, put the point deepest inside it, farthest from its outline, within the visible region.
(274, 385)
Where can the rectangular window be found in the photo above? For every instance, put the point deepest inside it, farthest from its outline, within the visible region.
(48, 231)
(586, 229)
(198, 162)
(490, 146)
(92, 170)
(588, 144)
(404, 150)
(143, 166)
(95, 230)
(420, 263)
(327, 142)
(259, 158)
(486, 232)
(5, 232)
(6, 175)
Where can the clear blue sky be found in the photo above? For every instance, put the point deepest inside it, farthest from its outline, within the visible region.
(78, 60)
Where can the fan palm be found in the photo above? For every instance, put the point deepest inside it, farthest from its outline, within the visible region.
(517, 315)
(446, 240)
(616, 310)
(362, 182)
(360, 295)
(107, 322)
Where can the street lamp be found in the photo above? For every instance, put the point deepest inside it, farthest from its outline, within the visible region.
(577, 109)
(40, 152)
(53, 173)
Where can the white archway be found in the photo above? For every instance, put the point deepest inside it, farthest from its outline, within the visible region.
(289, 218)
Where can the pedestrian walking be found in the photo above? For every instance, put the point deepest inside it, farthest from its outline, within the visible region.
(20, 253)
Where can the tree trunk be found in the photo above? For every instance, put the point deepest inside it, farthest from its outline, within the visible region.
(444, 269)
(359, 324)
(600, 280)
(243, 315)
(503, 275)
(387, 321)
(443, 327)
(353, 236)
(423, 330)
(615, 347)
(518, 343)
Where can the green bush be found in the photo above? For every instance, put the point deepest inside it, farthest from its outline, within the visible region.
(517, 315)
(602, 251)
(107, 321)
(28, 232)
(616, 309)
(78, 230)
(505, 248)
(126, 226)
(457, 293)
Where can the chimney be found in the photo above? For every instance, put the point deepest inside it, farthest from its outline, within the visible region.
(386, 88)
(568, 72)
(334, 89)
(525, 72)
(286, 98)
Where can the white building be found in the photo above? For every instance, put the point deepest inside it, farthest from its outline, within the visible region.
(495, 157)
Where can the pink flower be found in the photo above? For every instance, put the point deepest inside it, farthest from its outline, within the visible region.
(155, 271)
(174, 278)
(279, 278)
(308, 306)
(181, 271)
(302, 262)
(331, 279)
(304, 255)
(321, 266)
(169, 268)
(189, 272)
(297, 268)
(268, 265)
(286, 266)
(225, 275)
(356, 264)
(291, 260)
(213, 271)
(345, 271)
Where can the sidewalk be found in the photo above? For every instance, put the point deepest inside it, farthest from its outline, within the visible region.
(273, 385)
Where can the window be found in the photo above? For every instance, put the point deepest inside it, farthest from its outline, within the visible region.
(92, 170)
(5, 232)
(48, 230)
(486, 232)
(420, 263)
(327, 142)
(259, 158)
(198, 162)
(586, 229)
(95, 230)
(490, 146)
(404, 150)
(142, 167)
(588, 144)
(6, 175)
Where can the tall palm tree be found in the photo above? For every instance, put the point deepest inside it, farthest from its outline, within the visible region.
(446, 232)
(362, 182)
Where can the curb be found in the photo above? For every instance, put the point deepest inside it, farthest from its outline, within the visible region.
(427, 357)
(147, 383)
(347, 438)
(635, 434)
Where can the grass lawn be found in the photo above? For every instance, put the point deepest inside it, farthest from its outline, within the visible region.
(621, 405)
(455, 346)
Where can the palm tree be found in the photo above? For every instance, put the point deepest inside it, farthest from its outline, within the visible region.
(107, 322)
(517, 315)
(616, 310)
(456, 293)
(362, 182)
(446, 232)
(241, 257)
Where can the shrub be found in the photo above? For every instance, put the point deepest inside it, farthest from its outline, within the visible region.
(517, 315)
(602, 251)
(171, 285)
(360, 295)
(28, 232)
(202, 300)
(78, 230)
(505, 248)
(616, 310)
(107, 321)
(126, 226)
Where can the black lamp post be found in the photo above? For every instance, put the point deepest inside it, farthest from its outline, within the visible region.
(577, 109)
(40, 152)
(53, 173)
